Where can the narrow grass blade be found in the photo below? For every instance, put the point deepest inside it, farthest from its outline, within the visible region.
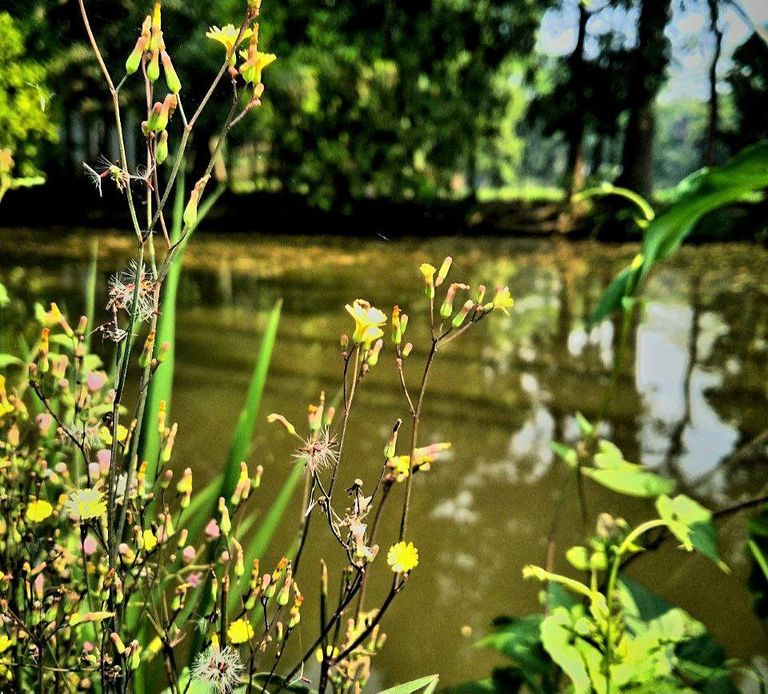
(240, 445)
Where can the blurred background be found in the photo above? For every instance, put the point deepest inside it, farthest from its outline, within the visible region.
(427, 107)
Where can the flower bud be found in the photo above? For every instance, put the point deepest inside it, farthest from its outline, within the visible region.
(153, 67)
(190, 211)
(146, 354)
(407, 349)
(443, 272)
(42, 359)
(225, 523)
(132, 63)
(461, 316)
(171, 78)
(373, 355)
(161, 149)
(165, 348)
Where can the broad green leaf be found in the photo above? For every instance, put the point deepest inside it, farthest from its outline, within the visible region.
(557, 639)
(697, 195)
(692, 524)
(520, 641)
(413, 686)
(632, 482)
(9, 360)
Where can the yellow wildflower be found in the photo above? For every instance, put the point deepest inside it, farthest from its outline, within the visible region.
(368, 322)
(255, 62)
(38, 511)
(403, 557)
(240, 631)
(425, 456)
(150, 541)
(5, 643)
(429, 272)
(5, 405)
(106, 435)
(503, 300)
(86, 504)
(227, 36)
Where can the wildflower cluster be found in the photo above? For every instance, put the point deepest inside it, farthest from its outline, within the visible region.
(345, 654)
(113, 565)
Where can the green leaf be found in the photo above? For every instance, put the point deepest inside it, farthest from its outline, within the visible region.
(569, 456)
(697, 195)
(427, 683)
(9, 360)
(557, 637)
(636, 482)
(622, 286)
(586, 427)
(4, 298)
(614, 472)
(692, 524)
(519, 640)
(240, 445)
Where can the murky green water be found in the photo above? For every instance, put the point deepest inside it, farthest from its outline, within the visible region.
(694, 390)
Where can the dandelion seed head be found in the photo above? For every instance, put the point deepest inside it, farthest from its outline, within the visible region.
(318, 452)
(219, 668)
(122, 288)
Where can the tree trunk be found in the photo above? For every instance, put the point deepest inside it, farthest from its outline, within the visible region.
(713, 120)
(576, 167)
(647, 75)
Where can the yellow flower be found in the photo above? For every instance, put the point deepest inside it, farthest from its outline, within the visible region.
(226, 36)
(5, 643)
(403, 557)
(239, 631)
(255, 62)
(5, 405)
(503, 300)
(424, 458)
(150, 541)
(428, 271)
(106, 435)
(367, 322)
(86, 504)
(38, 511)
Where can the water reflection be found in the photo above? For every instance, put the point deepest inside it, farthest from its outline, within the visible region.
(691, 393)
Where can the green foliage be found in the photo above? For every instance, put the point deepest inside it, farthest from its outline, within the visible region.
(700, 193)
(240, 446)
(25, 123)
(613, 472)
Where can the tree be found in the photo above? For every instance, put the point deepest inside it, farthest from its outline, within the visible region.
(647, 74)
(749, 86)
(711, 135)
(25, 122)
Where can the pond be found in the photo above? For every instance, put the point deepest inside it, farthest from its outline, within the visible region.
(692, 392)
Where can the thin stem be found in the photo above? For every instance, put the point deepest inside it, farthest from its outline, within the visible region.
(415, 435)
